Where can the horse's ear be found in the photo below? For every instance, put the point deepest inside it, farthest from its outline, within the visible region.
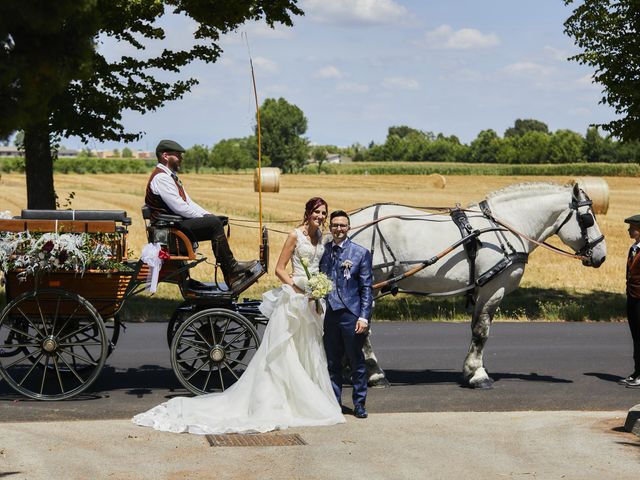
(576, 190)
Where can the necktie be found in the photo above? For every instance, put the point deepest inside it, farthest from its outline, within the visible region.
(179, 185)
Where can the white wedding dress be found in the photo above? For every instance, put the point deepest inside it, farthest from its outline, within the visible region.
(286, 383)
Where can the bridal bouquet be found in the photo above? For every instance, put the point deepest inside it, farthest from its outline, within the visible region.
(318, 284)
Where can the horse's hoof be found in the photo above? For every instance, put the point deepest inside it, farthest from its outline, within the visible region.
(486, 385)
(378, 381)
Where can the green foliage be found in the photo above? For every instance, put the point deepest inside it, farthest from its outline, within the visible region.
(55, 82)
(607, 33)
(424, 168)
(520, 127)
(195, 158)
(282, 127)
(127, 153)
(235, 153)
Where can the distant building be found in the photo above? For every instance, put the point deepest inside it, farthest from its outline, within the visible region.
(14, 152)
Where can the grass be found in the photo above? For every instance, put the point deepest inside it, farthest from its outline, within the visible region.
(553, 287)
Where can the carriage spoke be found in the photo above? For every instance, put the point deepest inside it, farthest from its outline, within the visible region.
(206, 382)
(44, 374)
(244, 349)
(6, 367)
(70, 351)
(197, 370)
(226, 327)
(20, 332)
(193, 345)
(241, 363)
(213, 333)
(220, 375)
(230, 342)
(33, 366)
(71, 369)
(76, 332)
(30, 322)
(44, 323)
(55, 364)
(231, 370)
(189, 359)
(64, 325)
(197, 331)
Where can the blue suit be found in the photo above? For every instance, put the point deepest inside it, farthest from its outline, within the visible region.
(351, 298)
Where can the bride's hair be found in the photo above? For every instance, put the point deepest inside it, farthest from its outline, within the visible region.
(311, 205)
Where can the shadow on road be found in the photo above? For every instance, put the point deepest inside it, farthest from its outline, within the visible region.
(420, 377)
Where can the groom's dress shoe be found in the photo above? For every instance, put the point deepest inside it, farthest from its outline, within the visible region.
(630, 379)
(634, 383)
(360, 412)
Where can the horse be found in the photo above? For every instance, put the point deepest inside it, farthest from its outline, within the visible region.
(480, 251)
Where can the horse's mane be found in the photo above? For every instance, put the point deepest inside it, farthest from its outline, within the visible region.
(526, 187)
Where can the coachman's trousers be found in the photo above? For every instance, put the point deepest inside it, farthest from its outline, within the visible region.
(633, 316)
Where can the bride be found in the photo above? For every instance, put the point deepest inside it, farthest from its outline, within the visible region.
(287, 382)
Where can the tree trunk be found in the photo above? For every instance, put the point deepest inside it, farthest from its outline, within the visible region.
(39, 167)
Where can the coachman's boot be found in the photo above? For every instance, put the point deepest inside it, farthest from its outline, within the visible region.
(232, 270)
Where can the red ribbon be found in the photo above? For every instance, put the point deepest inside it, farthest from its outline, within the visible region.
(163, 254)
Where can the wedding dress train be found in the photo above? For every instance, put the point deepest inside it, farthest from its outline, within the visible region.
(286, 384)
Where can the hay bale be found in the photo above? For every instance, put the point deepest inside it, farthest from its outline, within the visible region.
(270, 179)
(437, 180)
(598, 190)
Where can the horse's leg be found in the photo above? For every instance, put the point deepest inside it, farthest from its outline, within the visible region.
(375, 374)
(473, 370)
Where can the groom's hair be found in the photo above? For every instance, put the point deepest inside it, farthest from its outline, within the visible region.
(339, 213)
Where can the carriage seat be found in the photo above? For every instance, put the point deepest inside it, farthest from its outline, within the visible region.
(94, 215)
(165, 230)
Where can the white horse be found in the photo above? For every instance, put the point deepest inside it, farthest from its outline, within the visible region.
(503, 230)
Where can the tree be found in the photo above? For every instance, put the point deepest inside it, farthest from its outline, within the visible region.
(127, 153)
(55, 83)
(196, 157)
(597, 148)
(607, 33)
(282, 127)
(320, 156)
(235, 153)
(566, 146)
(521, 127)
(485, 147)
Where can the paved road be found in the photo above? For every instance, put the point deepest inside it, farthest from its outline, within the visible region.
(536, 366)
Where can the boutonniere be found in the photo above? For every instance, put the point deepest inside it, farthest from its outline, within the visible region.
(346, 265)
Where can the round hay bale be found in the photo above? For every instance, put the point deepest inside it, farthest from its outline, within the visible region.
(270, 179)
(437, 180)
(598, 190)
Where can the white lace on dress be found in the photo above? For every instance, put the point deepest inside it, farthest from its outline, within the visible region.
(312, 253)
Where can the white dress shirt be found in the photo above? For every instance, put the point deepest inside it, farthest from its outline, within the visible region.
(166, 187)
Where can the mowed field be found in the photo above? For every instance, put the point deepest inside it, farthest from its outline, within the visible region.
(233, 195)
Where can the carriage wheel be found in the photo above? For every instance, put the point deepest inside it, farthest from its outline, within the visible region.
(177, 318)
(60, 342)
(212, 349)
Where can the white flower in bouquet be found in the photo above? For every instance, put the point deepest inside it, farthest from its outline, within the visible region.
(318, 284)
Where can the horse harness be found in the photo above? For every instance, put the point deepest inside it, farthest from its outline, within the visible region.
(469, 240)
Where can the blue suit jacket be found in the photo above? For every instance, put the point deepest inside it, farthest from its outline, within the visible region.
(354, 293)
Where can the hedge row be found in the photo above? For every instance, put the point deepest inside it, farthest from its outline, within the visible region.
(396, 168)
(85, 165)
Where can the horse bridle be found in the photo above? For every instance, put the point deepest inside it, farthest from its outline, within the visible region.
(585, 221)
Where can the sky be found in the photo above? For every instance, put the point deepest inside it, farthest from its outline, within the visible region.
(357, 67)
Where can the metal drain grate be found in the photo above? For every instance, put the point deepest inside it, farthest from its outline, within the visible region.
(255, 440)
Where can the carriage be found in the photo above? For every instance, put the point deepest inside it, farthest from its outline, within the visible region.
(59, 325)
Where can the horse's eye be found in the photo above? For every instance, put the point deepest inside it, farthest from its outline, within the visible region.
(586, 219)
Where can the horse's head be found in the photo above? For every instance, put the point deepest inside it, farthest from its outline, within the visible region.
(578, 229)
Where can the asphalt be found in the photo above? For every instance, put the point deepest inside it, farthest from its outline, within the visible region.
(434, 445)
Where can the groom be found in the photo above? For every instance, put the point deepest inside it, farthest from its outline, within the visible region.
(348, 309)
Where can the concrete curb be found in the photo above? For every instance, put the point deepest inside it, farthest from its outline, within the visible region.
(632, 423)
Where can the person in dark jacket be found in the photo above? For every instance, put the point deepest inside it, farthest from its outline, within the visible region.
(633, 299)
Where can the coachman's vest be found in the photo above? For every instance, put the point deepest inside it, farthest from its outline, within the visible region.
(154, 201)
(633, 276)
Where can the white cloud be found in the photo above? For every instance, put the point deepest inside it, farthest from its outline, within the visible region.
(352, 87)
(400, 83)
(444, 37)
(528, 69)
(264, 65)
(586, 81)
(328, 72)
(372, 12)
(556, 53)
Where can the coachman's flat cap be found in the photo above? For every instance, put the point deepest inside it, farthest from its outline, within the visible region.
(169, 146)
(635, 219)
